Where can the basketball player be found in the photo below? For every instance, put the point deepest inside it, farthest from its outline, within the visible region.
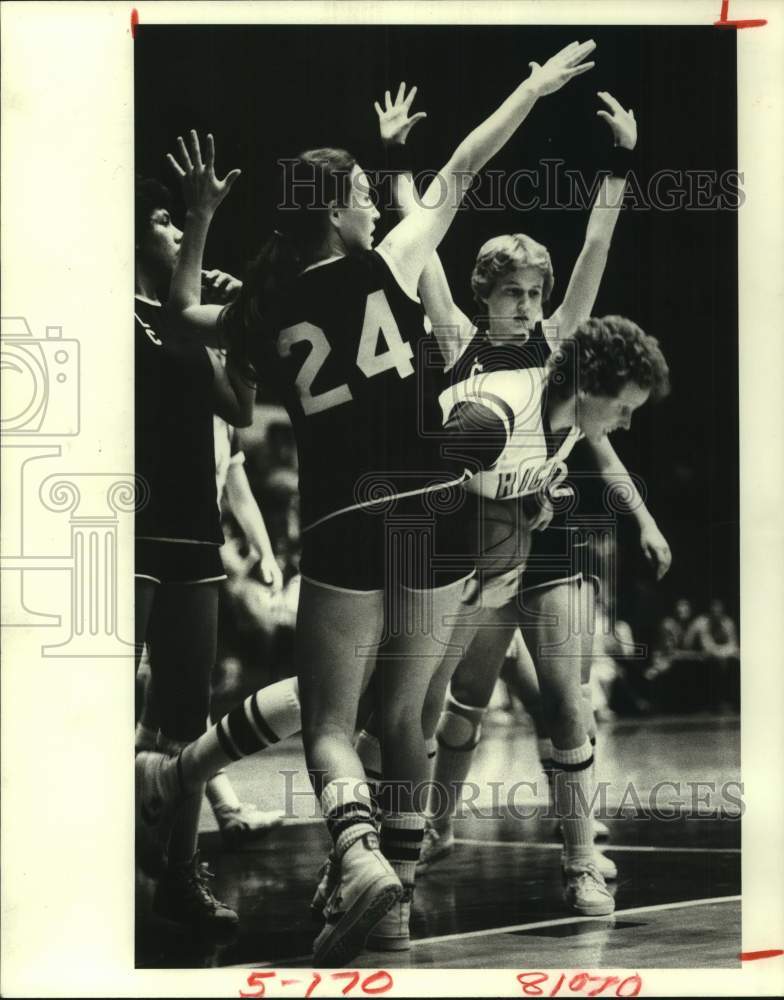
(512, 279)
(178, 388)
(237, 821)
(317, 305)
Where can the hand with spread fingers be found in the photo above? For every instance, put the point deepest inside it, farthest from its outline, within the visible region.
(560, 68)
(394, 121)
(201, 189)
(621, 121)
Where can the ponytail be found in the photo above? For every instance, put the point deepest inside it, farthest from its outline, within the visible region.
(312, 183)
(268, 278)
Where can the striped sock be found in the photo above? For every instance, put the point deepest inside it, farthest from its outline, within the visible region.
(573, 800)
(266, 717)
(347, 807)
(401, 840)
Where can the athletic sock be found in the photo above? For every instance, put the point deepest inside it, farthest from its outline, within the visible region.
(458, 733)
(221, 794)
(573, 796)
(401, 842)
(347, 807)
(263, 719)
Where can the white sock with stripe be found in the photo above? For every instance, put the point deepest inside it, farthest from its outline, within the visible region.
(574, 789)
(263, 719)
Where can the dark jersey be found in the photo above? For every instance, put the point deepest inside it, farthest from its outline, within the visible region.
(349, 353)
(481, 355)
(174, 443)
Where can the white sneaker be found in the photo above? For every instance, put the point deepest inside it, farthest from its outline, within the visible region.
(156, 809)
(391, 932)
(367, 889)
(239, 824)
(605, 865)
(436, 845)
(585, 890)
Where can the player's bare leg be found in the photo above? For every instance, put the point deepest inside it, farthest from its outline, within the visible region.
(337, 636)
(407, 662)
(559, 640)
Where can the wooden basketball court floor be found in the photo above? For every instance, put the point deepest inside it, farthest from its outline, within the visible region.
(496, 901)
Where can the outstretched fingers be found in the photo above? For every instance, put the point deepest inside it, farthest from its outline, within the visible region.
(209, 157)
(610, 101)
(579, 70)
(196, 150)
(184, 154)
(175, 165)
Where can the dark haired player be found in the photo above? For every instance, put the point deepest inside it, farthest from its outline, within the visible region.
(178, 387)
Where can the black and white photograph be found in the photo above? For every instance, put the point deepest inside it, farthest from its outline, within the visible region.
(435, 445)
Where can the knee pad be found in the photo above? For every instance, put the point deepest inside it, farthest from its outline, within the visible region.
(460, 726)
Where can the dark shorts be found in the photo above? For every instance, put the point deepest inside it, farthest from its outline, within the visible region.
(422, 543)
(559, 555)
(177, 562)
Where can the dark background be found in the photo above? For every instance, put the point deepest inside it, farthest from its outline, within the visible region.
(269, 91)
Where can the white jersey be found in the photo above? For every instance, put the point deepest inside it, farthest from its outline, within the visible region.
(534, 457)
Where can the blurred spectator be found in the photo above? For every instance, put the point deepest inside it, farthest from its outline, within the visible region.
(714, 634)
(696, 661)
(715, 637)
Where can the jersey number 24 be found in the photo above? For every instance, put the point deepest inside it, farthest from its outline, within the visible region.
(378, 321)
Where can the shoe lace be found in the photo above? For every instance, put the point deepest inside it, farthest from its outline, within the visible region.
(431, 837)
(589, 872)
(196, 880)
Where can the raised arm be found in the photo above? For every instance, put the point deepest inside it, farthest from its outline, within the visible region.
(652, 541)
(413, 240)
(451, 327)
(588, 271)
(203, 193)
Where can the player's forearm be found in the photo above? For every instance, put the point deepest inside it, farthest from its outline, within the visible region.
(243, 506)
(604, 214)
(185, 288)
(614, 473)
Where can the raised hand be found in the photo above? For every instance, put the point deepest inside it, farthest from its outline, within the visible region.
(621, 121)
(561, 68)
(394, 121)
(201, 189)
